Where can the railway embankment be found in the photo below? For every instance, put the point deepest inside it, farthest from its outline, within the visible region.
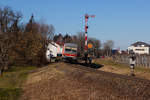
(64, 81)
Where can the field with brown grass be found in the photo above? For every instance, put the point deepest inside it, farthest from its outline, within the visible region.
(64, 81)
(109, 66)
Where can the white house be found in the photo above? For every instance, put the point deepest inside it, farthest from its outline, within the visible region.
(139, 48)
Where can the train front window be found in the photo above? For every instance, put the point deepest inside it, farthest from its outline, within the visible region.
(67, 50)
(74, 51)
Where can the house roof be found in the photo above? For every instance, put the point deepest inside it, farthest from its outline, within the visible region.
(139, 43)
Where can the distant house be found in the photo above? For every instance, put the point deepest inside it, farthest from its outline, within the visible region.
(139, 48)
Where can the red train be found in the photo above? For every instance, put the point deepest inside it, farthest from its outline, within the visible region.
(70, 51)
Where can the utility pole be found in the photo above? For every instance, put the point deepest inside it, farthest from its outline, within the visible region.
(86, 27)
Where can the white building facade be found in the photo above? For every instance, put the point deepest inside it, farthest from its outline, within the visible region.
(53, 49)
(139, 48)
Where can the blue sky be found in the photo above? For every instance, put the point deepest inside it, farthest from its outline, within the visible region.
(123, 21)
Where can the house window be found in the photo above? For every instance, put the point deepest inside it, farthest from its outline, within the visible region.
(139, 49)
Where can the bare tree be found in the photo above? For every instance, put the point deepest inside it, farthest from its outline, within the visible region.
(74, 39)
(81, 42)
(107, 47)
(58, 38)
(96, 46)
(36, 36)
(67, 39)
(22, 44)
(7, 18)
(47, 30)
(8, 26)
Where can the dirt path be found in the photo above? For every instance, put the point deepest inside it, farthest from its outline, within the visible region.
(63, 81)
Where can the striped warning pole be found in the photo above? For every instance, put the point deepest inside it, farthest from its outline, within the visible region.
(86, 27)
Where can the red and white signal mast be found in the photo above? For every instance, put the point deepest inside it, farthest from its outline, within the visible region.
(86, 27)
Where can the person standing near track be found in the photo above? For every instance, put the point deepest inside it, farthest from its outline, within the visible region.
(132, 64)
(90, 59)
(86, 57)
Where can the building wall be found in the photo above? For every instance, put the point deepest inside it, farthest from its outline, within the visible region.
(139, 50)
(52, 49)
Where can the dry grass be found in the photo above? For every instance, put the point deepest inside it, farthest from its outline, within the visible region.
(61, 81)
(110, 66)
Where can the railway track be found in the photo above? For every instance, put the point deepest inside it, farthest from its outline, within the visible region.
(122, 84)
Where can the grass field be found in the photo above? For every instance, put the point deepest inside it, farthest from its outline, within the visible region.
(11, 82)
(110, 66)
(122, 66)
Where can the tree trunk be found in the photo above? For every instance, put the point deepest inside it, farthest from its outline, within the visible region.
(1, 71)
